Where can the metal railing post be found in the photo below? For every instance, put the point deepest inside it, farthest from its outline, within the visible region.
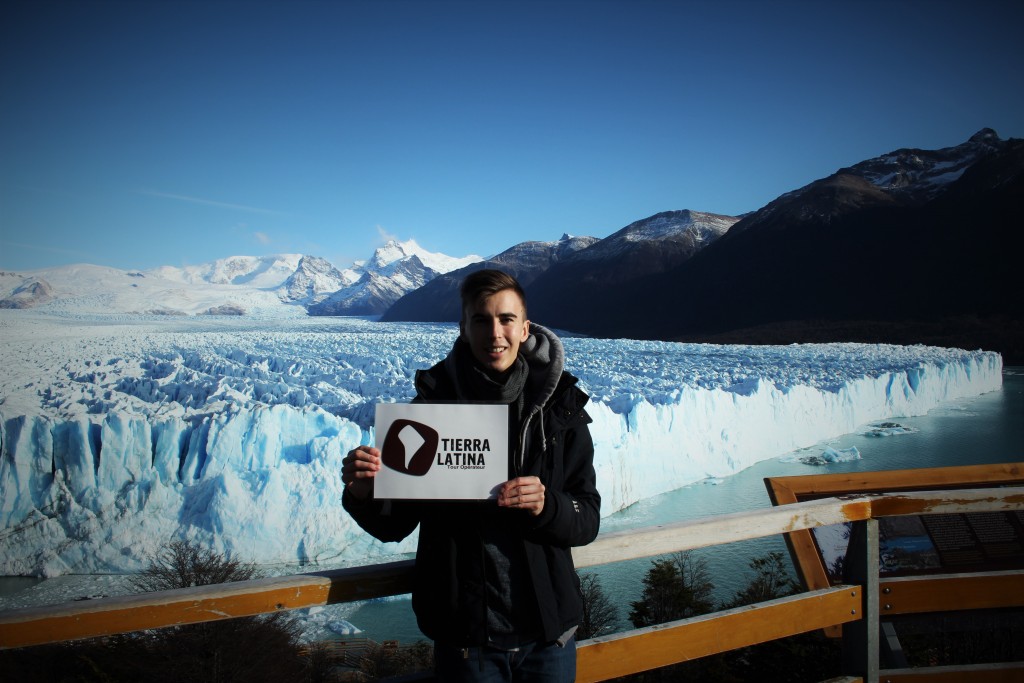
(860, 568)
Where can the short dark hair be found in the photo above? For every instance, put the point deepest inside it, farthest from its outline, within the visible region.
(481, 284)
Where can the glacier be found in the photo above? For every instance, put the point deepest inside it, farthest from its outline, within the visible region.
(122, 433)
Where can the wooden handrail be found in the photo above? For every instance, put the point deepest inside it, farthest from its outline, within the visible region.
(126, 613)
(950, 592)
(653, 647)
(631, 544)
(666, 644)
(1005, 672)
(122, 614)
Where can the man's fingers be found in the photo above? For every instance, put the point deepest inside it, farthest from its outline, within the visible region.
(360, 463)
(517, 495)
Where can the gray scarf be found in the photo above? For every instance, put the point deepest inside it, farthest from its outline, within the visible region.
(472, 383)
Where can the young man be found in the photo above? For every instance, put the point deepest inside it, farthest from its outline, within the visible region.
(495, 587)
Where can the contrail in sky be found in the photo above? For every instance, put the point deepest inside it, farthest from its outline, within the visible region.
(208, 202)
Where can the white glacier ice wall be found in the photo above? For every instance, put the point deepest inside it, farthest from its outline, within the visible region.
(714, 432)
(261, 483)
(116, 441)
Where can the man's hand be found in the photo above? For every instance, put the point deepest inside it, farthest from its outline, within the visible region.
(358, 469)
(524, 493)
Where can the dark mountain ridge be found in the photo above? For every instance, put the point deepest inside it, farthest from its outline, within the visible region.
(914, 246)
(565, 293)
(844, 259)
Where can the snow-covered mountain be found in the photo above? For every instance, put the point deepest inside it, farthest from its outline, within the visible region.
(692, 230)
(394, 252)
(920, 174)
(396, 269)
(279, 285)
(88, 289)
(530, 259)
(571, 293)
(902, 178)
(313, 280)
(374, 292)
(263, 272)
(554, 272)
(438, 301)
(22, 291)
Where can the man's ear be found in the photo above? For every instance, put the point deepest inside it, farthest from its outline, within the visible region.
(462, 331)
(526, 330)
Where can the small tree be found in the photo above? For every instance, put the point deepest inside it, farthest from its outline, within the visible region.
(250, 649)
(599, 614)
(803, 657)
(389, 659)
(260, 648)
(678, 587)
(184, 564)
(771, 580)
(319, 664)
(806, 657)
(693, 570)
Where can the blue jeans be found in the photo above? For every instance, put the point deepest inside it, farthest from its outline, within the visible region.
(531, 663)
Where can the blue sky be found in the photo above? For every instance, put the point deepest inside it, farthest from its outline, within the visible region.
(138, 134)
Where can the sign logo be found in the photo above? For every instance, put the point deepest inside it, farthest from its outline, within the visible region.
(393, 451)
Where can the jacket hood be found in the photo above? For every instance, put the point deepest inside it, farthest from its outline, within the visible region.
(545, 356)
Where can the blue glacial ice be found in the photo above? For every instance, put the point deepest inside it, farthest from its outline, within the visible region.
(118, 438)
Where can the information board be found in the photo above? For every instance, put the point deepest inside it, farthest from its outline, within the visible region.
(908, 545)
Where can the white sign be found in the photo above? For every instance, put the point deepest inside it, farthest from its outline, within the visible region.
(434, 451)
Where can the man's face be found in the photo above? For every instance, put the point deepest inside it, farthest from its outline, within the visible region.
(494, 328)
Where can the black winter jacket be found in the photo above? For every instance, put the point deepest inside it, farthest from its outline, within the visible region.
(448, 592)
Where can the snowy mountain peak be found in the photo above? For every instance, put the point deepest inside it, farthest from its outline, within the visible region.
(985, 135)
(395, 269)
(672, 223)
(24, 292)
(905, 177)
(696, 227)
(394, 251)
(281, 285)
(919, 174)
(314, 279)
(264, 272)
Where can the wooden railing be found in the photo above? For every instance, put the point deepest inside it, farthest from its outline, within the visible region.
(856, 605)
